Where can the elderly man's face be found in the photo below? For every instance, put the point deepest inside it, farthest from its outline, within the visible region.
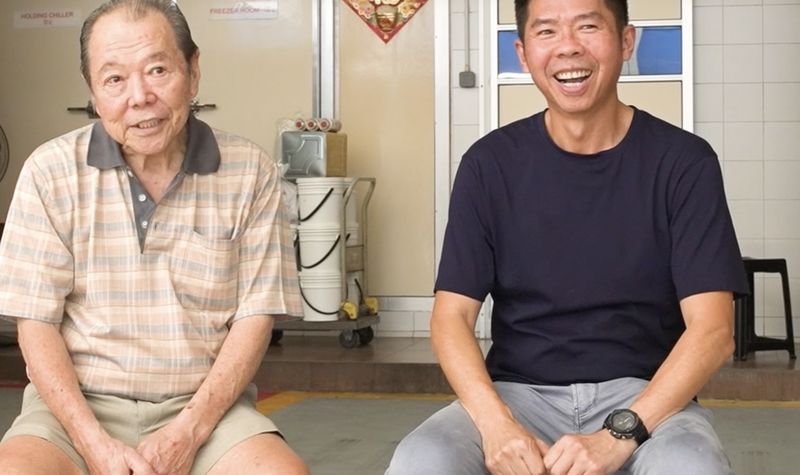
(140, 84)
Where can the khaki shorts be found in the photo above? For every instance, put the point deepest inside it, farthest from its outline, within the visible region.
(130, 421)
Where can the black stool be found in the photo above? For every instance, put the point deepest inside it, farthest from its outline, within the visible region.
(746, 338)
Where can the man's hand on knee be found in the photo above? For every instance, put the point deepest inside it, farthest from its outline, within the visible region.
(509, 449)
(592, 454)
(169, 450)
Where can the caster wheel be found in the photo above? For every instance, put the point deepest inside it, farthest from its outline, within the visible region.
(349, 339)
(366, 334)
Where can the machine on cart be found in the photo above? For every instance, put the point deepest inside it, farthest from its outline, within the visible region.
(357, 311)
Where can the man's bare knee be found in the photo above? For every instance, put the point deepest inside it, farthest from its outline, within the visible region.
(264, 454)
(27, 455)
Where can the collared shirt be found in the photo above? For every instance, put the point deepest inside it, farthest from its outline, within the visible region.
(145, 308)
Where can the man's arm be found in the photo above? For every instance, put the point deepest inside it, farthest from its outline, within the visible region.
(705, 345)
(50, 370)
(172, 448)
(508, 447)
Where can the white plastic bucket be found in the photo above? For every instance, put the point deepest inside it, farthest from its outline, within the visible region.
(319, 200)
(321, 296)
(319, 249)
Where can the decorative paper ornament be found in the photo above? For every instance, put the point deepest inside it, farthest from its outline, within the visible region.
(385, 17)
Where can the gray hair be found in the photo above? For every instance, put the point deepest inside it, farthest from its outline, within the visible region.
(138, 9)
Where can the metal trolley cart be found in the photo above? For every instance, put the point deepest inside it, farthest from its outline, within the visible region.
(356, 313)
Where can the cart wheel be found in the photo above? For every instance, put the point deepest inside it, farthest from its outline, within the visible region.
(366, 334)
(349, 339)
(276, 336)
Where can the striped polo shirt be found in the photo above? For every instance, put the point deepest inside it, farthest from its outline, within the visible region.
(144, 294)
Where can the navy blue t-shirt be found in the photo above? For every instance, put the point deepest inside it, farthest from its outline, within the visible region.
(587, 256)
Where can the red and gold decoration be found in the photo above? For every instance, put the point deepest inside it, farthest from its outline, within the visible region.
(385, 17)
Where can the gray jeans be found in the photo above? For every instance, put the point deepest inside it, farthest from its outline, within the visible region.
(448, 443)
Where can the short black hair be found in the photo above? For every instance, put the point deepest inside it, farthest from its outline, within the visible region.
(138, 9)
(619, 8)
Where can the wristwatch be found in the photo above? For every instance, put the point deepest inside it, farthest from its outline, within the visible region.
(625, 424)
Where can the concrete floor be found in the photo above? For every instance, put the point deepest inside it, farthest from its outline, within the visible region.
(338, 434)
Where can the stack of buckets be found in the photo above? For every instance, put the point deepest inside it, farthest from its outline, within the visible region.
(319, 202)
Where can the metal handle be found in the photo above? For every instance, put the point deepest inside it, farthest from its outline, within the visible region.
(88, 109)
(196, 107)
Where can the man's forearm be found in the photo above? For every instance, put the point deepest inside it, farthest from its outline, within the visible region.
(462, 361)
(238, 360)
(51, 371)
(705, 345)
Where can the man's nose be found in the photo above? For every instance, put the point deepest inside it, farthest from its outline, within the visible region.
(139, 91)
(569, 44)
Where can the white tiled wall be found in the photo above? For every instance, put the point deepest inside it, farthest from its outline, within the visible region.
(747, 105)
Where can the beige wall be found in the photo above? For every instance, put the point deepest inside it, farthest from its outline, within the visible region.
(387, 106)
(256, 71)
(39, 78)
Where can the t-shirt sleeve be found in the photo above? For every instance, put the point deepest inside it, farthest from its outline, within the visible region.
(38, 267)
(268, 282)
(705, 253)
(467, 264)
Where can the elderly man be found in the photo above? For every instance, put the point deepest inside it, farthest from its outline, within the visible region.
(604, 238)
(144, 260)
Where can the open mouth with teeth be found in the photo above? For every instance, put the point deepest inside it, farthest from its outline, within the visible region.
(573, 77)
(148, 124)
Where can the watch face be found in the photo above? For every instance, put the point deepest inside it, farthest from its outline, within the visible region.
(623, 421)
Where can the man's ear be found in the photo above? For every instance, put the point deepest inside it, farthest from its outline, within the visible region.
(194, 73)
(628, 41)
(519, 46)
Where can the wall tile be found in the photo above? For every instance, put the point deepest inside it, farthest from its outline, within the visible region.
(457, 30)
(743, 180)
(748, 218)
(713, 133)
(781, 63)
(708, 103)
(405, 304)
(743, 63)
(781, 180)
(782, 102)
(462, 137)
(781, 219)
(781, 24)
(782, 140)
(464, 106)
(422, 324)
(396, 322)
(708, 61)
(707, 3)
(773, 292)
(751, 247)
(742, 25)
(707, 25)
(744, 141)
(788, 249)
(730, 3)
(458, 63)
(743, 102)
